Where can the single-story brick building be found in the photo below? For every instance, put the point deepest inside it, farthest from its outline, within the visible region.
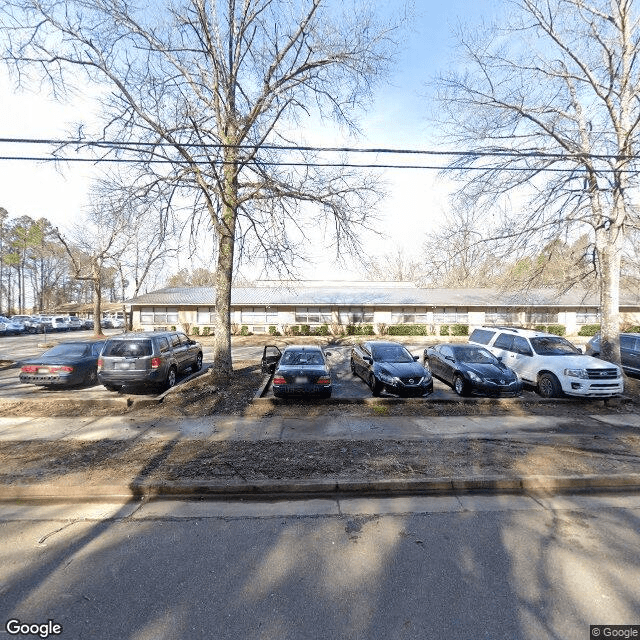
(283, 305)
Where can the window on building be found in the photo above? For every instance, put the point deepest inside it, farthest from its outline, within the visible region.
(259, 315)
(409, 315)
(498, 316)
(206, 315)
(542, 316)
(587, 316)
(159, 315)
(313, 315)
(450, 315)
(356, 315)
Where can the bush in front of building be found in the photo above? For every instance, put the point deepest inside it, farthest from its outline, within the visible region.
(459, 329)
(195, 331)
(273, 330)
(589, 330)
(206, 331)
(322, 330)
(444, 329)
(407, 330)
(360, 330)
(557, 329)
(244, 331)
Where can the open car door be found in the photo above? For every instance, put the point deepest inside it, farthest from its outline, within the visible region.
(270, 358)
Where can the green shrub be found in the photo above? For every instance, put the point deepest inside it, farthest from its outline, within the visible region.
(273, 330)
(460, 330)
(407, 330)
(322, 330)
(444, 329)
(305, 330)
(195, 331)
(295, 330)
(634, 329)
(540, 327)
(173, 327)
(206, 331)
(557, 329)
(244, 331)
(360, 330)
(589, 330)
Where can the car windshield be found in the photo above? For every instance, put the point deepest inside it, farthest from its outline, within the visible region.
(301, 357)
(67, 349)
(553, 346)
(390, 353)
(128, 348)
(475, 355)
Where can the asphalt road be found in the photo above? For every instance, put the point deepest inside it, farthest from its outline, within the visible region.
(463, 567)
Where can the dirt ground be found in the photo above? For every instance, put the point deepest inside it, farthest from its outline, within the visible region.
(140, 461)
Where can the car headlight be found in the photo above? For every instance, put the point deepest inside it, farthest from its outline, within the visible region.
(576, 373)
(387, 377)
(475, 377)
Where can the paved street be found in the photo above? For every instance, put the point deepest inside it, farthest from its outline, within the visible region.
(464, 567)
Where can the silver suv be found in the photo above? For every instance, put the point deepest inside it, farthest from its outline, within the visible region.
(550, 363)
(152, 358)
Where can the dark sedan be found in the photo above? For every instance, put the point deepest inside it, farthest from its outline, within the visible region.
(471, 369)
(66, 364)
(301, 371)
(388, 366)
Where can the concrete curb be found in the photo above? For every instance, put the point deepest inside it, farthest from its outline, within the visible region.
(268, 490)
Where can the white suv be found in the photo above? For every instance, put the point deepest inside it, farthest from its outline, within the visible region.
(551, 363)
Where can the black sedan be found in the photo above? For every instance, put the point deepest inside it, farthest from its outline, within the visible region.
(472, 369)
(301, 371)
(388, 366)
(66, 364)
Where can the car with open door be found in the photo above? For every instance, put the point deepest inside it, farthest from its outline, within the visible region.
(301, 370)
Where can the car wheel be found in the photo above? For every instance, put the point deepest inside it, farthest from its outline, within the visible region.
(92, 378)
(374, 385)
(171, 378)
(197, 365)
(548, 386)
(460, 386)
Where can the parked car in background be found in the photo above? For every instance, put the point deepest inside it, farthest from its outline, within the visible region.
(75, 323)
(44, 323)
(112, 322)
(471, 369)
(388, 366)
(60, 323)
(11, 327)
(629, 351)
(550, 363)
(87, 323)
(298, 371)
(152, 358)
(66, 364)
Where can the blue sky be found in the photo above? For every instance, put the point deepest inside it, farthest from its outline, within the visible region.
(397, 119)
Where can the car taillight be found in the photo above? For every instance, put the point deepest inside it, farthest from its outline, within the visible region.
(279, 380)
(60, 368)
(29, 368)
(100, 363)
(155, 363)
(324, 380)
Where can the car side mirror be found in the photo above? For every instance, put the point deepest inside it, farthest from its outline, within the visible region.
(499, 358)
(416, 358)
(328, 354)
(368, 359)
(450, 358)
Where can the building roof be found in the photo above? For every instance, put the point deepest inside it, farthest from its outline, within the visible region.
(376, 295)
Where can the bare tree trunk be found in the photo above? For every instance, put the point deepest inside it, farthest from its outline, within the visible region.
(608, 246)
(97, 297)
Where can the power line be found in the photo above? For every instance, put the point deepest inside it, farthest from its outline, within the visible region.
(135, 146)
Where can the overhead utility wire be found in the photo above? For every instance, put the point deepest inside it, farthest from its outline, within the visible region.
(131, 146)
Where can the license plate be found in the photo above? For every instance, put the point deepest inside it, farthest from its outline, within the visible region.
(301, 380)
(43, 370)
(125, 365)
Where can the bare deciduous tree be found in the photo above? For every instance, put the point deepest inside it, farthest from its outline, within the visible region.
(547, 103)
(210, 86)
(397, 265)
